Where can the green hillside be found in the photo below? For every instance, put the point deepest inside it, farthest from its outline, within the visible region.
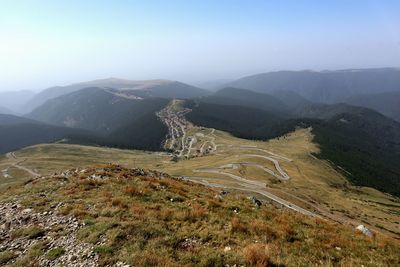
(364, 143)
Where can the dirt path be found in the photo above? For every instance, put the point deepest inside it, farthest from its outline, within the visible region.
(251, 164)
(276, 163)
(265, 151)
(260, 191)
(251, 185)
(233, 176)
(16, 163)
(192, 141)
(211, 136)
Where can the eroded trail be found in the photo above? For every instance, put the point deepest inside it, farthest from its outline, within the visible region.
(15, 162)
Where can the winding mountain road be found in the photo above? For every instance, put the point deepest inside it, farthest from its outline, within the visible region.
(181, 142)
(276, 163)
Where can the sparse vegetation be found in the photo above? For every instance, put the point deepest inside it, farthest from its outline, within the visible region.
(6, 256)
(258, 255)
(180, 223)
(55, 253)
(29, 232)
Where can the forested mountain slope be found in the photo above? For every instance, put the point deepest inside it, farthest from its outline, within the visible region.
(325, 86)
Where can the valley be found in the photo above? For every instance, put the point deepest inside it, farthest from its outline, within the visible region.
(282, 171)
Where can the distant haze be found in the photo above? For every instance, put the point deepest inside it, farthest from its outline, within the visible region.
(46, 43)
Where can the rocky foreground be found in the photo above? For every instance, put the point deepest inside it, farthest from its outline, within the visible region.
(109, 215)
(49, 238)
(24, 232)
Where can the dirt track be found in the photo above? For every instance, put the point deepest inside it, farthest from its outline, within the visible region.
(15, 163)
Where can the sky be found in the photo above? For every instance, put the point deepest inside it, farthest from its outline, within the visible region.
(46, 43)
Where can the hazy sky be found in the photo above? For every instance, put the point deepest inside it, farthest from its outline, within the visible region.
(45, 43)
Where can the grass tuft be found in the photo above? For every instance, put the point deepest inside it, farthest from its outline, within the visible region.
(55, 253)
(30, 232)
(6, 256)
(258, 255)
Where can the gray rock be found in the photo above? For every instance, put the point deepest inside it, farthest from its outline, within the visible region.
(256, 201)
(365, 230)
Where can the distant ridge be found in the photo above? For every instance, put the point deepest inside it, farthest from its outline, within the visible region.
(387, 103)
(15, 101)
(121, 121)
(4, 110)
(147, 88)
(246, 98)
(17, 132)
(325, 86)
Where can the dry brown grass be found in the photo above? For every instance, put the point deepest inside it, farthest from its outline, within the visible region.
(120, 203)
(138, 210)
(163, 228)
(195, 213)
(79, 211)
(312, 179)
(261, 228)
(132, 190)
(214, 203)
(239, 226)
(150, 258)
(258, 255)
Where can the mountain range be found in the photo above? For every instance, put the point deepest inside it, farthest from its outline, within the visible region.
(14, 101)
(372, 88)
(275, 166)
(387, 103)
(326, 86)
(362, 141)
(149, 88)
(342, 107)
(120, 120)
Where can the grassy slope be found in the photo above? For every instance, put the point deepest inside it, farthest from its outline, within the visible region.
(363, 142)
(149, 221)
(313, 183)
